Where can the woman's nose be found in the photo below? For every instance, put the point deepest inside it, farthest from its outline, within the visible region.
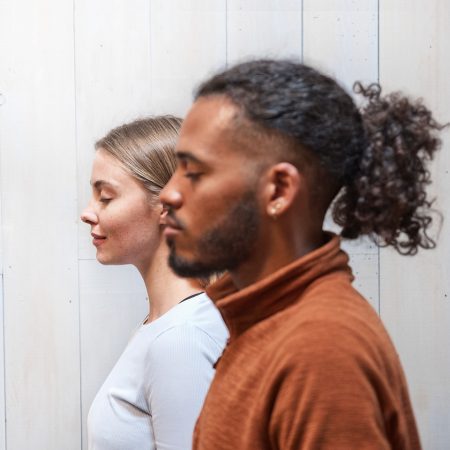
(88, 216)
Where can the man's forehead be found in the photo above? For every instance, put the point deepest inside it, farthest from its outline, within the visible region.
(207, 130)
(215, 111)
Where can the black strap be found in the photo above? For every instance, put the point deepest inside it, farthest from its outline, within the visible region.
(190, 296)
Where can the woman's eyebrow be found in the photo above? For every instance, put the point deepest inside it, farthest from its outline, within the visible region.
(99, 184)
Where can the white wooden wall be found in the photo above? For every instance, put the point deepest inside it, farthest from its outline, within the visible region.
(71, 70)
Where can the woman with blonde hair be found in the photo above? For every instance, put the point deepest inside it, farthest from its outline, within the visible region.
(153, 395)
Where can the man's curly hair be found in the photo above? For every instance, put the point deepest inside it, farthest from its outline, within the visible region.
(375, 157)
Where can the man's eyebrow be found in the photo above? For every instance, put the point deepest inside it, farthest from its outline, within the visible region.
(186, 156)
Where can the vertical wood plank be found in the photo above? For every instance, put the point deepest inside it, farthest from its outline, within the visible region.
(415, 291)
(114, 303)
(124, 71)
(113, 86)
(365, 269)
(113, 80)
(2, 370)
(263, 29)
(38, 185)
(188, 43)
(341, 39)
(139, 57)
(2, 307)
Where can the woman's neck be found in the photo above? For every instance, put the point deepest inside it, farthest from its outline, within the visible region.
(164, 288)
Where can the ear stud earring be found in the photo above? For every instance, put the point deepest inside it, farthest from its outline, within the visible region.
(274, 210)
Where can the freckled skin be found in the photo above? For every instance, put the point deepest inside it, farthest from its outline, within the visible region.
(122, 211)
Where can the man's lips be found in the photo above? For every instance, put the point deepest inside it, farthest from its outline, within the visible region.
(170, 231)
(97, 239)
(171, 222)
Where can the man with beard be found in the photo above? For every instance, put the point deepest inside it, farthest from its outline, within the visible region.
(262, 153)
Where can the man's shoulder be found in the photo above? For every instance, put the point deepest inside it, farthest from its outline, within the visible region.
(333, 305)
(325, 322)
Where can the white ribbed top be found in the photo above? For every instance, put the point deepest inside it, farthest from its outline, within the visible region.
(153, 396)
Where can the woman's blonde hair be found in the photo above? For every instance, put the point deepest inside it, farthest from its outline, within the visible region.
(146, 148)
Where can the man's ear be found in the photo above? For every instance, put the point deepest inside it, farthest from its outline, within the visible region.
(283, 186)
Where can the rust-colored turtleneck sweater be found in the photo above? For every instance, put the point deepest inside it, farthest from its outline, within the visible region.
(308, 366)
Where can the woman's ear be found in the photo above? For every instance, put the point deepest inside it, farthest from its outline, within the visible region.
(283, 186)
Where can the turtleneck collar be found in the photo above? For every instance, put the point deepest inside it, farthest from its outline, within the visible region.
(243, 308)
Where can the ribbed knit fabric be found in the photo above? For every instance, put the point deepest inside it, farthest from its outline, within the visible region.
(153, 395)
(309, 366)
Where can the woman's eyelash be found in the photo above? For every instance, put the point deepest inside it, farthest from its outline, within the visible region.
(105, 199)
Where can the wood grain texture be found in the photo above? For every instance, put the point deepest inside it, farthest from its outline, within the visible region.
(70, 71)
(38, 173)
(122, 75)
(365, 270)
(2, 372)
(2, 329)
(188, 43)
(340, 38)
(263, 29)
(113, 302)
(113, 86)
(415, 291)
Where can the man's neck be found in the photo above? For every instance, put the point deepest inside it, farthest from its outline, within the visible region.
(278, 252)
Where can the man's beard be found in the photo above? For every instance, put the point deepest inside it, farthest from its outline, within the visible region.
(225, 246)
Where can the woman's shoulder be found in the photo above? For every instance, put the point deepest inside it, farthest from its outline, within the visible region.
(192, 320)
(194, 338)
(199, 316)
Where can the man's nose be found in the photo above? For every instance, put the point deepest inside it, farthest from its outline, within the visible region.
(170, 196)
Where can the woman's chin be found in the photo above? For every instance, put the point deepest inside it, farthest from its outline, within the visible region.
(106, 259)
(110, 260)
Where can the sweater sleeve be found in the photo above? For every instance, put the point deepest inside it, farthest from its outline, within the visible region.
(179, 372)
(329, 390)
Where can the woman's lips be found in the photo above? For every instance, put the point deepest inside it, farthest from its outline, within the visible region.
(97, 239)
